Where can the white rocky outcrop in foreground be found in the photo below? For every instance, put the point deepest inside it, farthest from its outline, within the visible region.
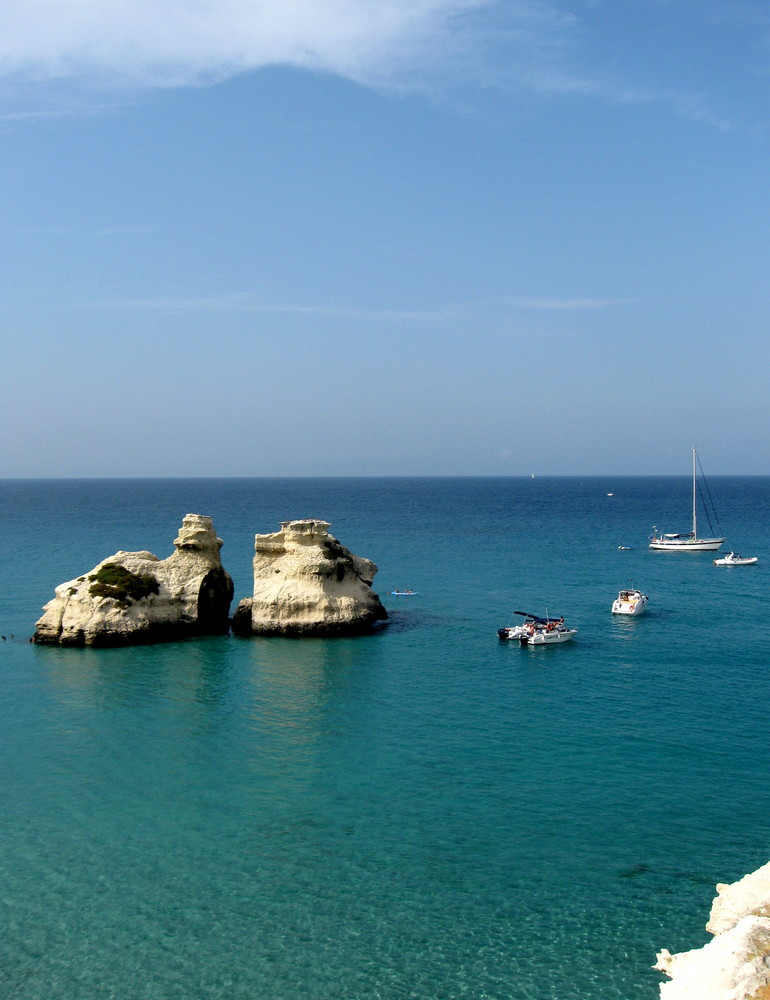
(134, 597)
(306, 583)
(736, 964)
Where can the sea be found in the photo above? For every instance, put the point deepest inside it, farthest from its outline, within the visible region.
(425, 812)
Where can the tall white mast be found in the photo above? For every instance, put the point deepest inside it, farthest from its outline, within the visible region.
(694, 512)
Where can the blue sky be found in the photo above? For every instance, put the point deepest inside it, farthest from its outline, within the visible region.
(384, 237)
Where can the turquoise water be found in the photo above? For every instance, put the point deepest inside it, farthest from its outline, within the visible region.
(425, 812)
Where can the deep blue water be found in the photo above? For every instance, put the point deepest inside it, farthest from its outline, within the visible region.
(423, 813)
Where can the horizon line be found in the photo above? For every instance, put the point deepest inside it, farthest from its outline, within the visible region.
(439, 475)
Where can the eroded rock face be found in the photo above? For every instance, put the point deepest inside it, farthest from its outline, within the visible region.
(134, 597)
(735, 965)
(306, 583)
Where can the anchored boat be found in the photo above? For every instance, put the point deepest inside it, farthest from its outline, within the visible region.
(688, 542)
(630, 602)
(733, 559)
(537, 631)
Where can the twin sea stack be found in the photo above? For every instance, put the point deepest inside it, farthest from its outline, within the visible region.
(305, 583)
(134, 597)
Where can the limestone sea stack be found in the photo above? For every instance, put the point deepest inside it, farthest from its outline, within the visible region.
(735, 965)
(134, 597)
(306, 583)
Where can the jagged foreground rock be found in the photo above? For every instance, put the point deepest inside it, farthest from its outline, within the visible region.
(134, 597)
(736, 964)
(306, 583)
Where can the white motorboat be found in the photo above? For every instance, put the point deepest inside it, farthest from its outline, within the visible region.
(537, 631)
(630, 602)
(733, 559)
(689, 541)
(548, 635)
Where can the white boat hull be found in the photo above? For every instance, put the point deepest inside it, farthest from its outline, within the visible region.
(686, 544)
(536, 637)
(733, 560)
(542, 638)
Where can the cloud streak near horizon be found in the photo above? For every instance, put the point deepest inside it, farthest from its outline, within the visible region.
(449, 312)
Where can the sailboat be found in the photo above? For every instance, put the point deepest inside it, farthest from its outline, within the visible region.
(686, 542)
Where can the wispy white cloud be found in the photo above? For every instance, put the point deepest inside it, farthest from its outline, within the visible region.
(559, 79)
(131, 230)
(111, 47)
(86, 47)
(246, 303)
(178, 42)
(447, 312)
(134, 229)
(566, 304)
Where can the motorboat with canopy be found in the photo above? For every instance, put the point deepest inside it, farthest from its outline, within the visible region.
(537, 631)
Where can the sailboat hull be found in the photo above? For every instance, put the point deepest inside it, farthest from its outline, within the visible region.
(686, 544)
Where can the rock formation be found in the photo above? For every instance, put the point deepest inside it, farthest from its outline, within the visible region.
(735, 965)
(306, 583)
(134, 597)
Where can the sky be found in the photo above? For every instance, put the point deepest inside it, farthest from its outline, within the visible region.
(384, 237)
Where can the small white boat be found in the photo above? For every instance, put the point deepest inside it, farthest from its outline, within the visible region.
(630, 602)
(733, 559)
(537, 631)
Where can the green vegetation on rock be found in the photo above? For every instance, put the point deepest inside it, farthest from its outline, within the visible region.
(123, 586)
